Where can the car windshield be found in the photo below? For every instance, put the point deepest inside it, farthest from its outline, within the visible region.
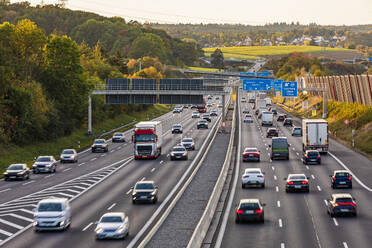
(177, 126)
(15, 167)
(187, 140)
(111, 219)
(344, 200)
(178, 149)
(195, 113)
(43, 159)
(144, 137)
(99, 141)
(250, 150)
(68, 152)
(249, 206)
(202, 121)
(50, 207)
(297, 177)
(144, 186)
(118, 134)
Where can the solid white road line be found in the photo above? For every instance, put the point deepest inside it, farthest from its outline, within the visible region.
(11, 224)
(6, 233)
(153, 169)
(354, 176)
(335, 221)
(28, 182)
(280, 223)
(319, 188)
(278, 204)
(66, 169)
(27, 211)
(85, 228)
(49, 176)
(5, 190)
(113, 205)
(345, 245)
(276, 188)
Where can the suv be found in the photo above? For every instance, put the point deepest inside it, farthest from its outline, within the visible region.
(188, 143)
(145, 191)
(177, 128)
(44, 164)
(52, 214)
(202, 124)
(100, 145)
(272, 132)
(16, 171)
(340, 204)
(69, 155)
(311, 156)
(341, 178)
(207, 117)
(280, 118)
(118, 137)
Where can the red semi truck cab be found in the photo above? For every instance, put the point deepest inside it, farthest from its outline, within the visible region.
(147, 140)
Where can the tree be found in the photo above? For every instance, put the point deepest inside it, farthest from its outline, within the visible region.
(148, 45)
(217, 59)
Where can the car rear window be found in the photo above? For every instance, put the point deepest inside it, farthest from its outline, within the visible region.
(342, 174)
(249, 206)
(187, 140)
(253, 172)
(99, 141)
(178, 149)
(313, 153)
(250, 150)
(68, 152)
(344, 200)
(297, 177)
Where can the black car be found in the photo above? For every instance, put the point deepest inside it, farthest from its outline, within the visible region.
(207, 117)
(311, 156)
(341, 178)
(275, 112)
(256, 112)
(280, 118)
(193, 106)
(272, 132)
(297, 182)
(178, 152)
(214, 113)
(17, 171)
(341, 204)
(177, 128)
(202, 124)
(287, 122)
(100, 145)
(145, 191)
(249, 210)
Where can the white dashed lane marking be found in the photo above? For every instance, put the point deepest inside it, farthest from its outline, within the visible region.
(85, 228)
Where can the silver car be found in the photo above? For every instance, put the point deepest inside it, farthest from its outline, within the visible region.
(195, 115)
(118, 137)
(44, 164)
(69, 155)
(114, 225)
(188, 143)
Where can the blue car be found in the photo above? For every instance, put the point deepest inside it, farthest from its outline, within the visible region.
(341, 178)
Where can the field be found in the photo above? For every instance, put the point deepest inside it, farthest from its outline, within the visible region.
(254, 52)
(202, 69)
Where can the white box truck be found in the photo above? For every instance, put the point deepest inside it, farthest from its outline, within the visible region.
(267, 118)
(147, 140)
(260, 103)
(251, 97)
(268, 101)
(315, 135)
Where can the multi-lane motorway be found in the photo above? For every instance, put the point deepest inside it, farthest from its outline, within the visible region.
(101, 182)
(298, 219)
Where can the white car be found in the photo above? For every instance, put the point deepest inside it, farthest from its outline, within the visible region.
(248, 119)
(112, 226)
(69, 155)
(44, 164)
(253, 176)
(195, 115)
(118, 137)
(246, 111)
(188, 143)
(52, 214)
(244, 100)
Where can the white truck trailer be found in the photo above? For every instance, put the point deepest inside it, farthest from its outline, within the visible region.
(315, 135)
(147, 140)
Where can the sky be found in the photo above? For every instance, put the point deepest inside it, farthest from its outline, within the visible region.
(253, 12)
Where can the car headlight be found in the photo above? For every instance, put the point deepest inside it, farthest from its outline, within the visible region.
(120, 230)
(99, 230)
(184, 154)
(61, 223)
(153, 193)
(34, 165)
(5, 173)
(172, 154)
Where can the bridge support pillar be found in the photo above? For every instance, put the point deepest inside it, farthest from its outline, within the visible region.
(325, 101)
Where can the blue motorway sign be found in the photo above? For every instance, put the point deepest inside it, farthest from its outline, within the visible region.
(260, 84)
(263, 74)
(370, 59)
(247, 74)
(289, 89)
(276, 84)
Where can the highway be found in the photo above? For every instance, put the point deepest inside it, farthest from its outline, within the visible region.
(298, 219)
(116, 173)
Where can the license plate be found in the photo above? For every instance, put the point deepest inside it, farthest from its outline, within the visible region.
(145, 156)
(250, 155)
(109, 234)
(312, 159)
(297, 186)
(143, 197)
(342, 182)
(344, 210)
(249, 211)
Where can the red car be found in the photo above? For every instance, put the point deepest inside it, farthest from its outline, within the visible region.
(251, 154)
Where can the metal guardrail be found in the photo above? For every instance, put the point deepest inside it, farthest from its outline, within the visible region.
(201, 229)
(116, 129)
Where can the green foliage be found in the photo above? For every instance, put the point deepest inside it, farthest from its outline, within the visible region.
(217, 59)
(148, 45)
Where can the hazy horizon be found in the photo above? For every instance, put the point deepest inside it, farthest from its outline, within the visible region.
(236, 12)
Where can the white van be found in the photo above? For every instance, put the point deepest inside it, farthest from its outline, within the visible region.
(52, 214)
(267, 118)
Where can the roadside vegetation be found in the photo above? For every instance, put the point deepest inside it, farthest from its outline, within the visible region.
(254, 52)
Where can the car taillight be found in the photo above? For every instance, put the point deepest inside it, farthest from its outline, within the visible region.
(239, 211)
(333, 178)
(335, 204)
(259, 176)
(304, 182)
(259, 211)
(306, 156)
(290, 183)
(276, 132)
(318, 156)
(349, 178)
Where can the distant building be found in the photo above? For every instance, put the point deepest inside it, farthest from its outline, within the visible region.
(266, 42)
(247, 42)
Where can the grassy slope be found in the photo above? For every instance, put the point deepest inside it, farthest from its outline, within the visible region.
(253, 52)
(202, 69)
(359, 116)
(15, 154)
